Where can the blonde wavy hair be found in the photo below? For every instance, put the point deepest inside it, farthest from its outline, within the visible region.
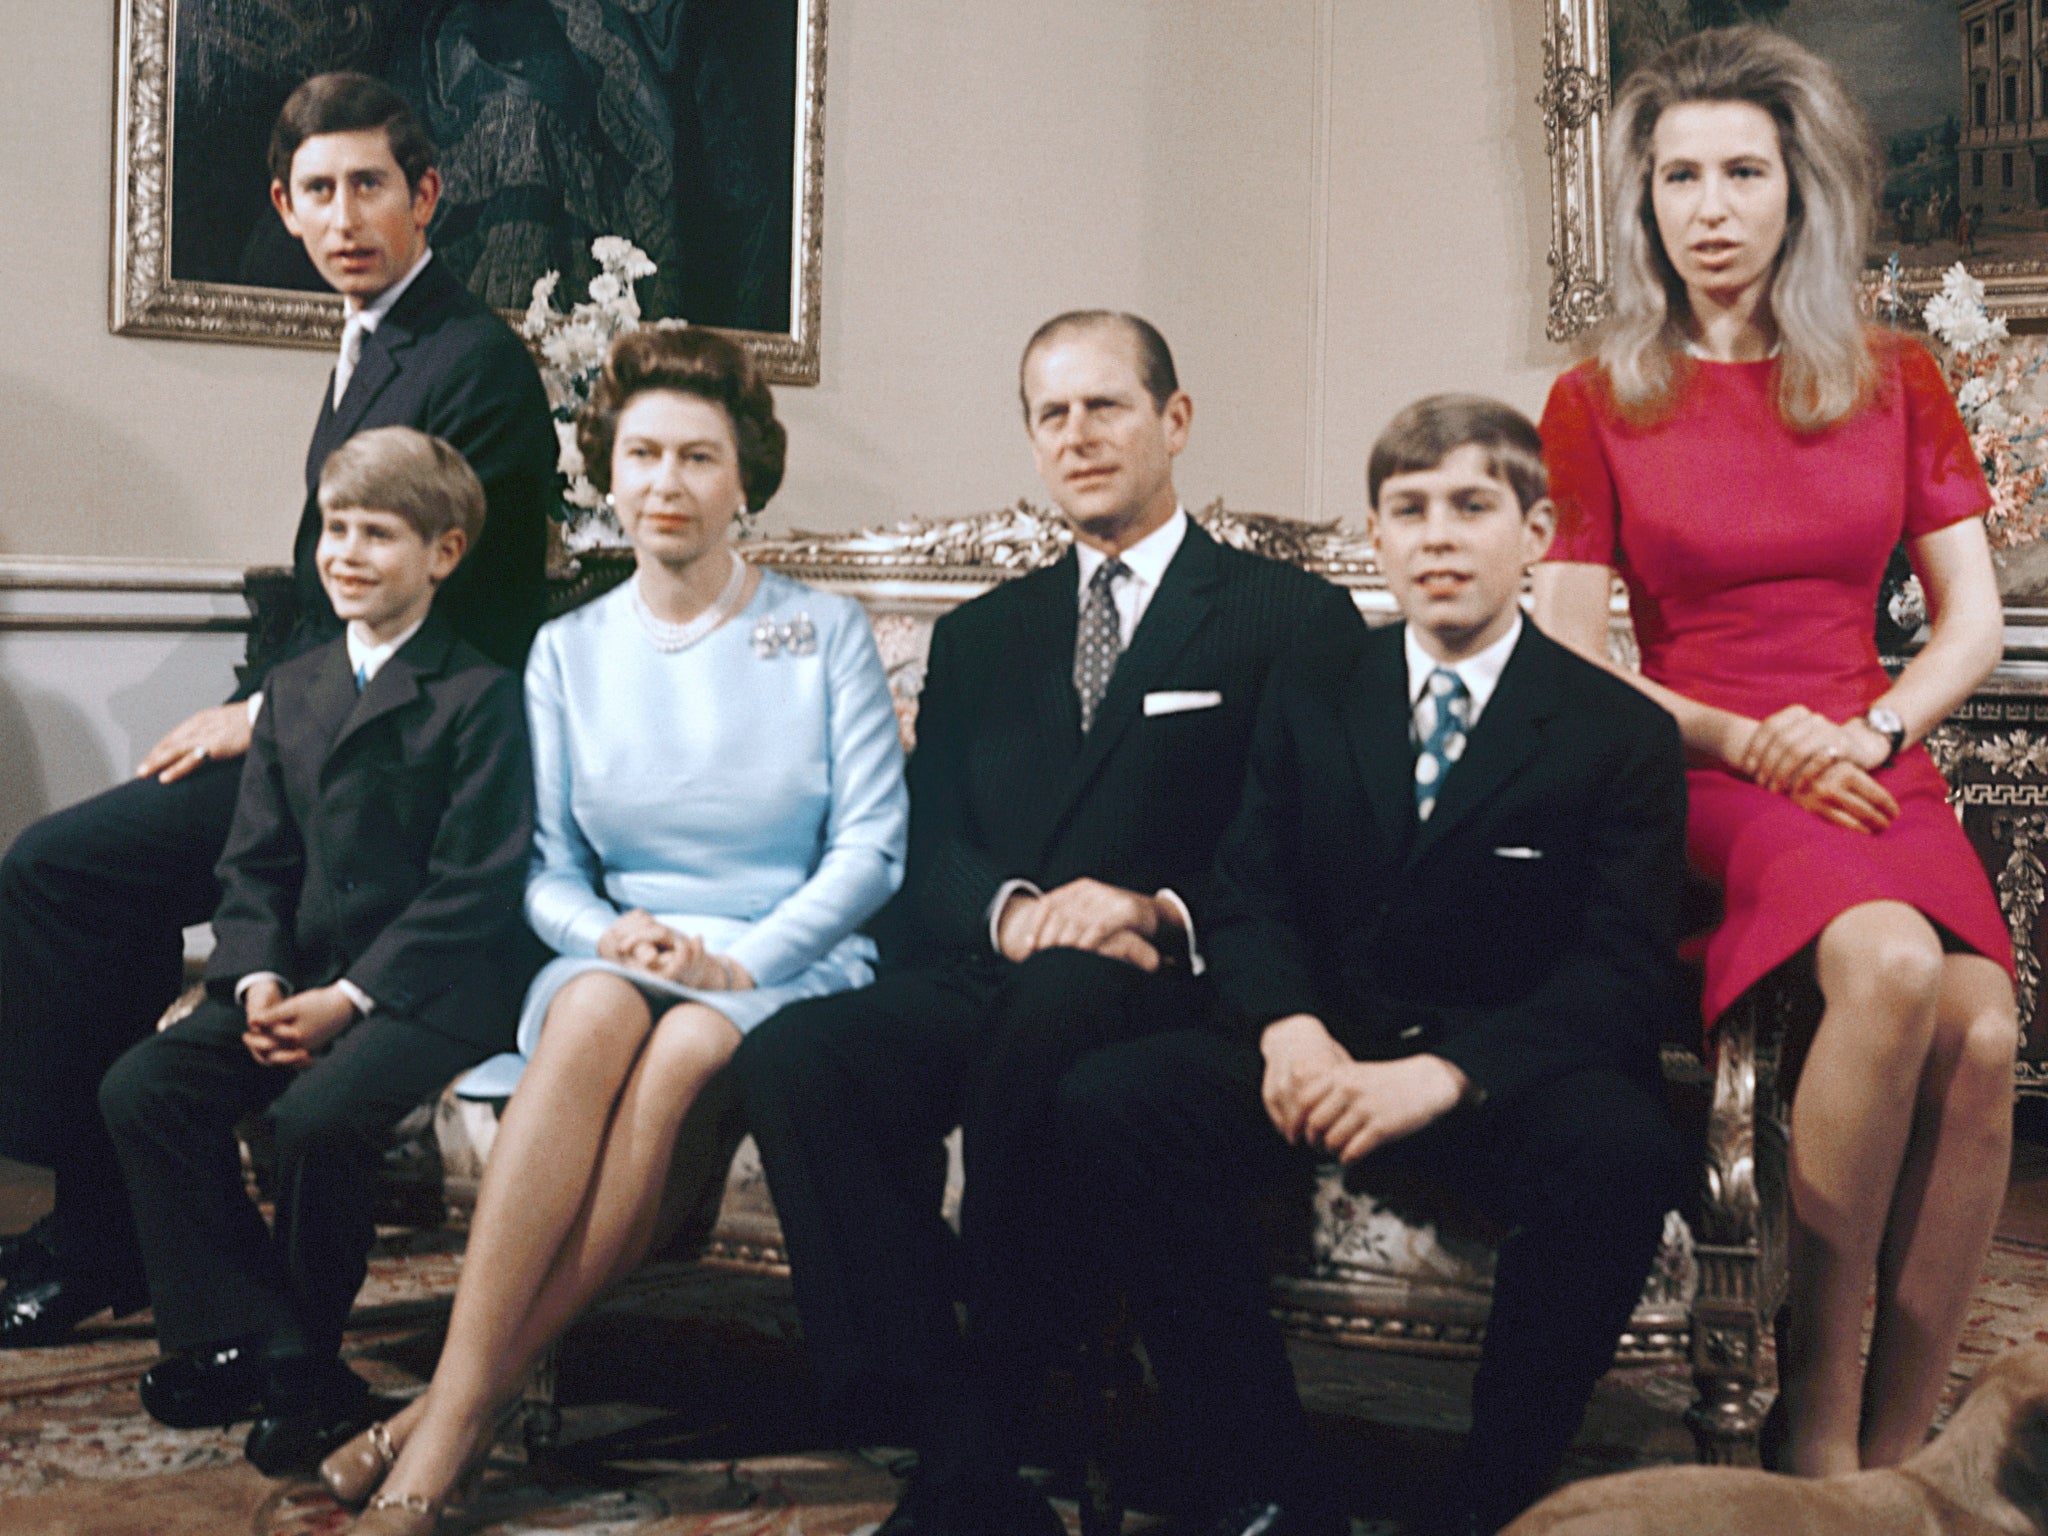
(1826, 369)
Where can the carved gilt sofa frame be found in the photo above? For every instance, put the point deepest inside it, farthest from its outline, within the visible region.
(1376, 1273)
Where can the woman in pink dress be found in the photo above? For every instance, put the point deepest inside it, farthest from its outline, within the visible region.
(1746, 453)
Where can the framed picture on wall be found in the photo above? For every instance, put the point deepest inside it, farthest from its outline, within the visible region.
(695, 131)
(1955, 90)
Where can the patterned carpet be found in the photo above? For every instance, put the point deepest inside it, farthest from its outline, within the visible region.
(685, 1414)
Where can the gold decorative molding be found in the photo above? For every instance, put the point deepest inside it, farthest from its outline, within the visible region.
(1574, 98)
(1730, 1210)
(146, 300)
(993, 546)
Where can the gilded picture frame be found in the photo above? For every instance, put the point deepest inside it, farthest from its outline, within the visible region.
(156, 291)
(1963, 184)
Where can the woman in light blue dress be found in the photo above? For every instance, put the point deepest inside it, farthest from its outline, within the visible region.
(720, 805)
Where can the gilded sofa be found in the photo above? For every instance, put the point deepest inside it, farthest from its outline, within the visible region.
(1370, 1269)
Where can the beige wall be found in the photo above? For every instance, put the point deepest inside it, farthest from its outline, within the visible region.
(1328, 206)
(1438, 223)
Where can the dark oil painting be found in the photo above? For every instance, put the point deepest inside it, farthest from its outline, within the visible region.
(670, 122)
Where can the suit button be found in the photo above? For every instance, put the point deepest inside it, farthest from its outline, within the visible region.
(348, 885)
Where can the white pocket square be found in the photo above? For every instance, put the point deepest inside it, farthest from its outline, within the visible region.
(1176, 701)
(1518, 853)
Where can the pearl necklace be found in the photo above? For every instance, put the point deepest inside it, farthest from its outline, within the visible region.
(665, 636)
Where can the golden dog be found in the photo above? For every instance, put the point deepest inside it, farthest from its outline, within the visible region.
(1985, 1475)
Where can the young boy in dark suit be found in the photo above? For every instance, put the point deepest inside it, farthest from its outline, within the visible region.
(368, 948)
(1444, 934)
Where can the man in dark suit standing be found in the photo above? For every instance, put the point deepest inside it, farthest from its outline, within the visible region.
(1444, 936)
(1081, 740)
(100, 892)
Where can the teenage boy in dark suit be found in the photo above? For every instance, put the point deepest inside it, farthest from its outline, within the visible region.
(1444, 936)
(368, 950)
(1081, 741)
(124, 872)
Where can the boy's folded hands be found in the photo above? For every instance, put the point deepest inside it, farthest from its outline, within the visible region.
(290, 1031)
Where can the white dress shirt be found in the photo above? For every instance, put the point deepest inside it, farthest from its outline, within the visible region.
(366, 658)
(1480, 673)
(1146, 561)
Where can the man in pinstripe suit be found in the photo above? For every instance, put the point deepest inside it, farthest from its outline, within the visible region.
(1082, 741)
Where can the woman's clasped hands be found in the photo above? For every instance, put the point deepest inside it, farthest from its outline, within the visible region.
(1822, 766)
(643, 942)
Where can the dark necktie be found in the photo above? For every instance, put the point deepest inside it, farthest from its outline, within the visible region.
(1443, 735)
(1099, 640)
(362, 677)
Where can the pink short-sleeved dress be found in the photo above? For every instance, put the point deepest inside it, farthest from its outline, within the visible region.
(1752, 555)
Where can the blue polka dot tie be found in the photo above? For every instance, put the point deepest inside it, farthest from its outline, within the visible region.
(1443, 715)
(1098, 641)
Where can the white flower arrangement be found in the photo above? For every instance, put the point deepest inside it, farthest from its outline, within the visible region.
(1958, 316)
(1993, 377)
(572, 350)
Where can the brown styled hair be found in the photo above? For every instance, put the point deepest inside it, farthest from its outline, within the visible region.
(1421, 436)
(1155, 359)
(345, 102)
(1826, 369)
(691, 361)
(403, 471)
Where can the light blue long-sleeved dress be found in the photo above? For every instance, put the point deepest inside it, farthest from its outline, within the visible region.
(747, 790)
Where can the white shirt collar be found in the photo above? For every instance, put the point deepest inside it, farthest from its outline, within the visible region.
(369, 316)
(1480, 673)
(1147, 559)
(367, 657)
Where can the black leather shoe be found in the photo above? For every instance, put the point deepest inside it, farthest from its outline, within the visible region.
(30, 1257)
(305, 1421)
(205, 1388)
(45, 1312)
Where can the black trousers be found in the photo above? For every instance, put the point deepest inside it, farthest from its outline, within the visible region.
(1168, 1144)
(93, 901)
(849, 1099)
(216, 1273)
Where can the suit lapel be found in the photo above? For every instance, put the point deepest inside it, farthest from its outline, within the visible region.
(325, 440)
(397, 682)
(1509, 733)
(332, 698)
(1174, 616)
(386, 348)
(1047, 645)
(1376, 723)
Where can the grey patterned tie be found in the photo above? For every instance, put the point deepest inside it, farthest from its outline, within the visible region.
(1098, 640)
(1443, 735)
